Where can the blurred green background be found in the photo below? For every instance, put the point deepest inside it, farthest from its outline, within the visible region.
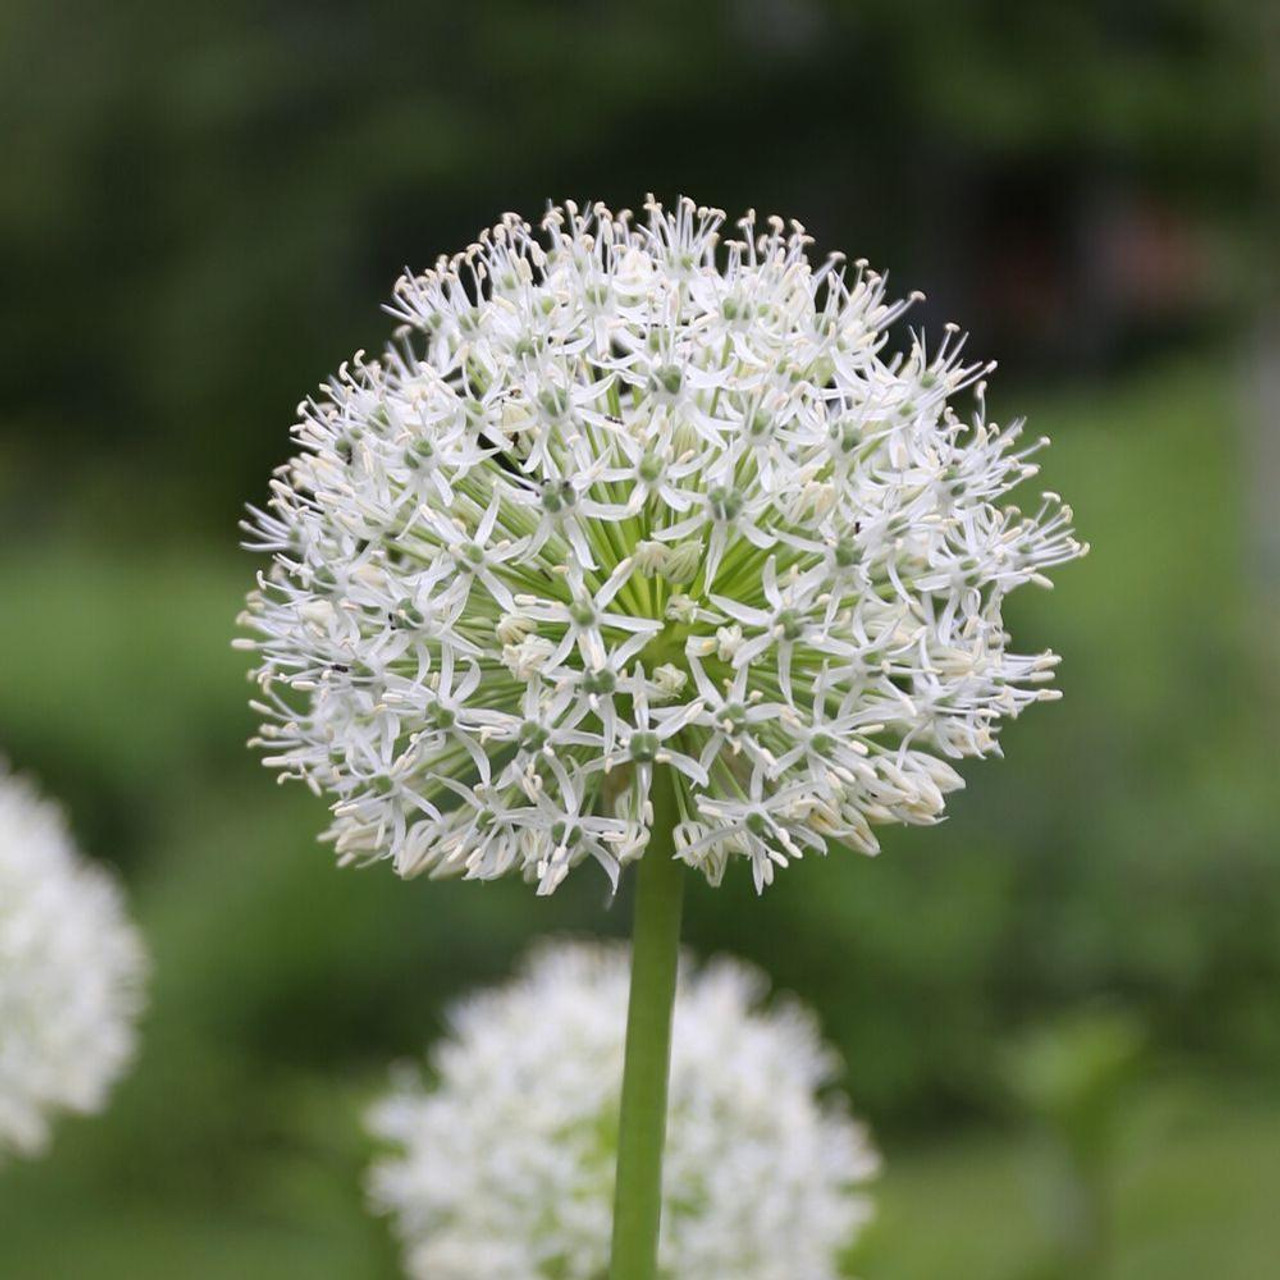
(1060, 1010)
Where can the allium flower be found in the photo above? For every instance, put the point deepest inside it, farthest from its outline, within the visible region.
(71, 973)
(622, 493)
(504, 1164)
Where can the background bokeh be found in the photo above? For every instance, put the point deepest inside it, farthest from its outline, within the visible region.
(1061, 1010)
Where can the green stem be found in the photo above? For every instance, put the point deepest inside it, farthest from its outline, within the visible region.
(637, 1206)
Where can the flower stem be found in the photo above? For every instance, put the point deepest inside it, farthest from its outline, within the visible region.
(637, 1207)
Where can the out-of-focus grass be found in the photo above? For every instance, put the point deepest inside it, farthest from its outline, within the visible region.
(1194, 1202)
(1195, 1199)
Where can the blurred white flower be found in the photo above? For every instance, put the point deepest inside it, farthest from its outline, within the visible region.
(72, 969)
(619, 462)
(504, 1163)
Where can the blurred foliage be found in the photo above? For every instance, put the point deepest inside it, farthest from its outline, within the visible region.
(211, 199)
(1075, 1076)
(1192, 1199)
(206, 204)
(1072, 1074)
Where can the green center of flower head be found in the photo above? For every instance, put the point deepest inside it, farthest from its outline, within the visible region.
(725, 503)
(558, 496)
(791, 623)
(847, 553)
(409, 612)
(668, 378)
(846, 435)
(602, 682)
(634, 485)
(419, 454)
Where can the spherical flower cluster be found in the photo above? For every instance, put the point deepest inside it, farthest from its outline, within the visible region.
(504, 1166)
(71, 973)
(623, 493)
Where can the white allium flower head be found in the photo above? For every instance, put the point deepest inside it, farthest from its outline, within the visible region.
(624, 492)
(71, 973)
(504, 1163)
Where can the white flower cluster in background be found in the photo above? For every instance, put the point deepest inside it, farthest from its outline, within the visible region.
(72, 969)
(625, 492)
(504, 1164)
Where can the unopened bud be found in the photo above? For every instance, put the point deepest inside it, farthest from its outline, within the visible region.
(670, 680)
(683, 563)
(682, 608)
